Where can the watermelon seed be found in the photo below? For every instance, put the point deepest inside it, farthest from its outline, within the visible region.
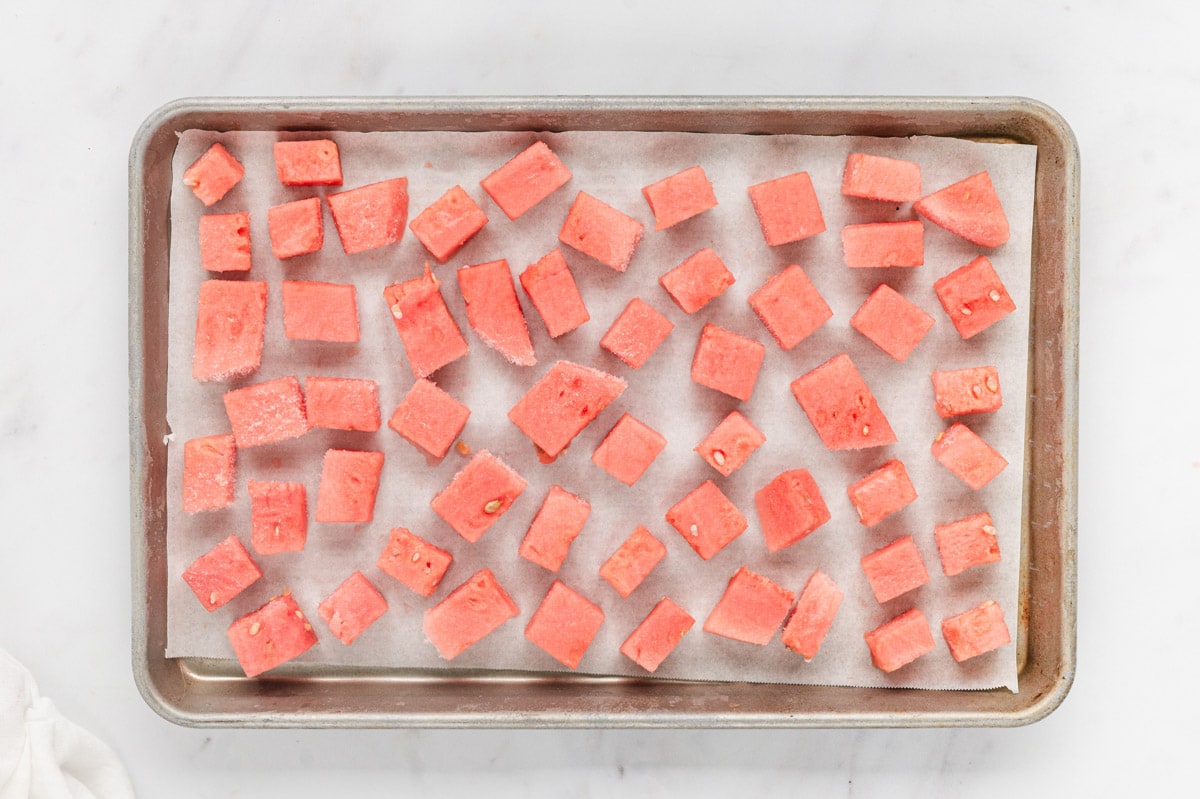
(492, 506)
(992, 384)
(976, 391)
(397, 311)
(994, 295)
(987, 528)
(307, 627)
(719, 457)
(965, 310)
(416, 556)
(212, 598)
(299, 615)
(866, 429)
(254, 628)
(463, 448)
(694, 530)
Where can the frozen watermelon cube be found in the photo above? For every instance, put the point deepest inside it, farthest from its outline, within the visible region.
(296, 228)
(727, 362)
(881, 493)
(353, 607)
(278, 516)
(680, 196)
(730, 444)
(892, 322)
(478, 495)
(371, 216)
(494, 311)
(967, 542)
(882, 244)
(225, 242)
(209, 471)
(266, 413)
(970, 209)
(563, 402)
(751, 609)
(314, 311)
(564, 624)
(813, 615)
(975, 632)
(221, 573)
(414, 561)
(972, 459)
(974, 297)
(789, 508)
(700, 279)
(597, 229)
(231, 319)
(342, 403)
(213, 174)
(430, 335)
(899, 641)
(787, 209)
(876, 177)
(957, 392)
(448, 224)
(558, 522)
(636, 333)
(468, 614)
(628, 449)
(529, 177)
(633, 561)
(314, 162)
(895, 569)
(790, 306)
(657, 636)
(349, 484)
(706, 519)
(552, 290)
(429, 418)
(271, 636)
(841, 407)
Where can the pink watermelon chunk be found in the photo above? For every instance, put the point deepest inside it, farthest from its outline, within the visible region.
(790, 306)
(679, 197)
(657, 635)
(974, 297)
(468, 614)
(222, 573)
(975, 632)
(700, 279)
(730, 444)
(225, 242)
(727, 362)
(751, 609)
(900, 641)
(271, 636)
(314, 162)
(968, 456)
(209, 472)
(706, 519)
(371, 216)
(430, 418)
(564, 401)
(629, 449)
(841, 407)
(448, 224)
(552, 290)
(597, 229)
(231, 319)
(296, 228)
(636, 333)
(813, 615)
(790, 507)
(884, 244)
(633, 561)
(565, 624)
(349, 484)
(429, 333)
(558, 522)
(342, 403)
(892, 322)
(876, 177)
(314, 311)
(266, 413)
(528, 178)
(787, 209)
(278, 516)
(881, 493)
(494, 311)
(895, 569)
(967, 542)
(414, 561)
(970, 209)
(478, 495)
(957, 392)
(213, 174)
(353, 607)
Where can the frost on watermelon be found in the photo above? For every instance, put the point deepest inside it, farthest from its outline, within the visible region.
(564, 624)
(967, 542)
(225, 242)
(657, 635)
(348, 487)
(266, 413)
(628, 449)
(342, 403)
(468, 614)
(633, 561)
(706, 519)
(558, 522)
(679, 197)
(271, 636)
(494, 311)
(524, 181)
(895, 569)
(597, 229)
(751, 609)
(354, 606)
(414, 561)
(790, 306)
(892, 322)
(790, 507)
(813, 615)
(563, 402)
(313, 162)
(727, 362)
(636, 333)
(231, 318)
(970, 209)
(841, 407)
(881, 493)
(730, 444)
(884, 244)
(700, 279)
(278, 516)
(876, 177)
(787, 208)
(961, 391)
(552, 290)
(296, 228)
(976, 631)
(430, 335)
(974, 297)
(209, 469)
(448, 224)
(429, 418)
(478, 495)
(968, 456)
(371, 216)
(213, 174)
(900, 641)
(222, 573)
(314, 311)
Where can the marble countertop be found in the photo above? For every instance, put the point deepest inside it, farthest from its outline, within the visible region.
(79, 78)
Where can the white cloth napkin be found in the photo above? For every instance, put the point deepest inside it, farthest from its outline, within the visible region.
(45, 756)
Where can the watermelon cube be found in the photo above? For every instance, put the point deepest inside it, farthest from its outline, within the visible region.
(727, 362)
(271, 636)
(494, 312)
(633, 561)
(448, 224)
(899, 641)
(221, 573)
(628, 449)
(296, 228)
(429, 418)
(558, 522)
(342, 403)
(213, 174)
(875, 177)
(787, 209)
(970, 209)
(266, 413)
(730, 444)
(349, 484)
(813, 615)
(564, 624)
(414, 561)
(315, 311)
(751, 609)
(478, 495)
(967, 542)
(353, 607)
(563, 402)
(706, 519)
(657, 636)
(974, 297)
(700, 279)
(841, 407)
(371, 216)
(231, 319)
(468, 614)
(790, 507)
(680, 196)
(636, 333)
(278, 516)
(972, 459)
(957, 392)
(975, 632)
(892, 322)
(225, 242)
(597, 229)
(790, 306)
(895, 569)
(430, 335)
(552, 290)
(209, 472)
(524, 181)
(882, 244)
(314, 162)
(881, 493)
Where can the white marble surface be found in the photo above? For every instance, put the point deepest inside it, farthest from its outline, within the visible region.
(77, 80)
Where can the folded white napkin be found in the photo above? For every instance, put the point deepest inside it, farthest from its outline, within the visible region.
(45, 756)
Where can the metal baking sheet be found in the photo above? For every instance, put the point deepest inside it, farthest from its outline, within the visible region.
(201, 692)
